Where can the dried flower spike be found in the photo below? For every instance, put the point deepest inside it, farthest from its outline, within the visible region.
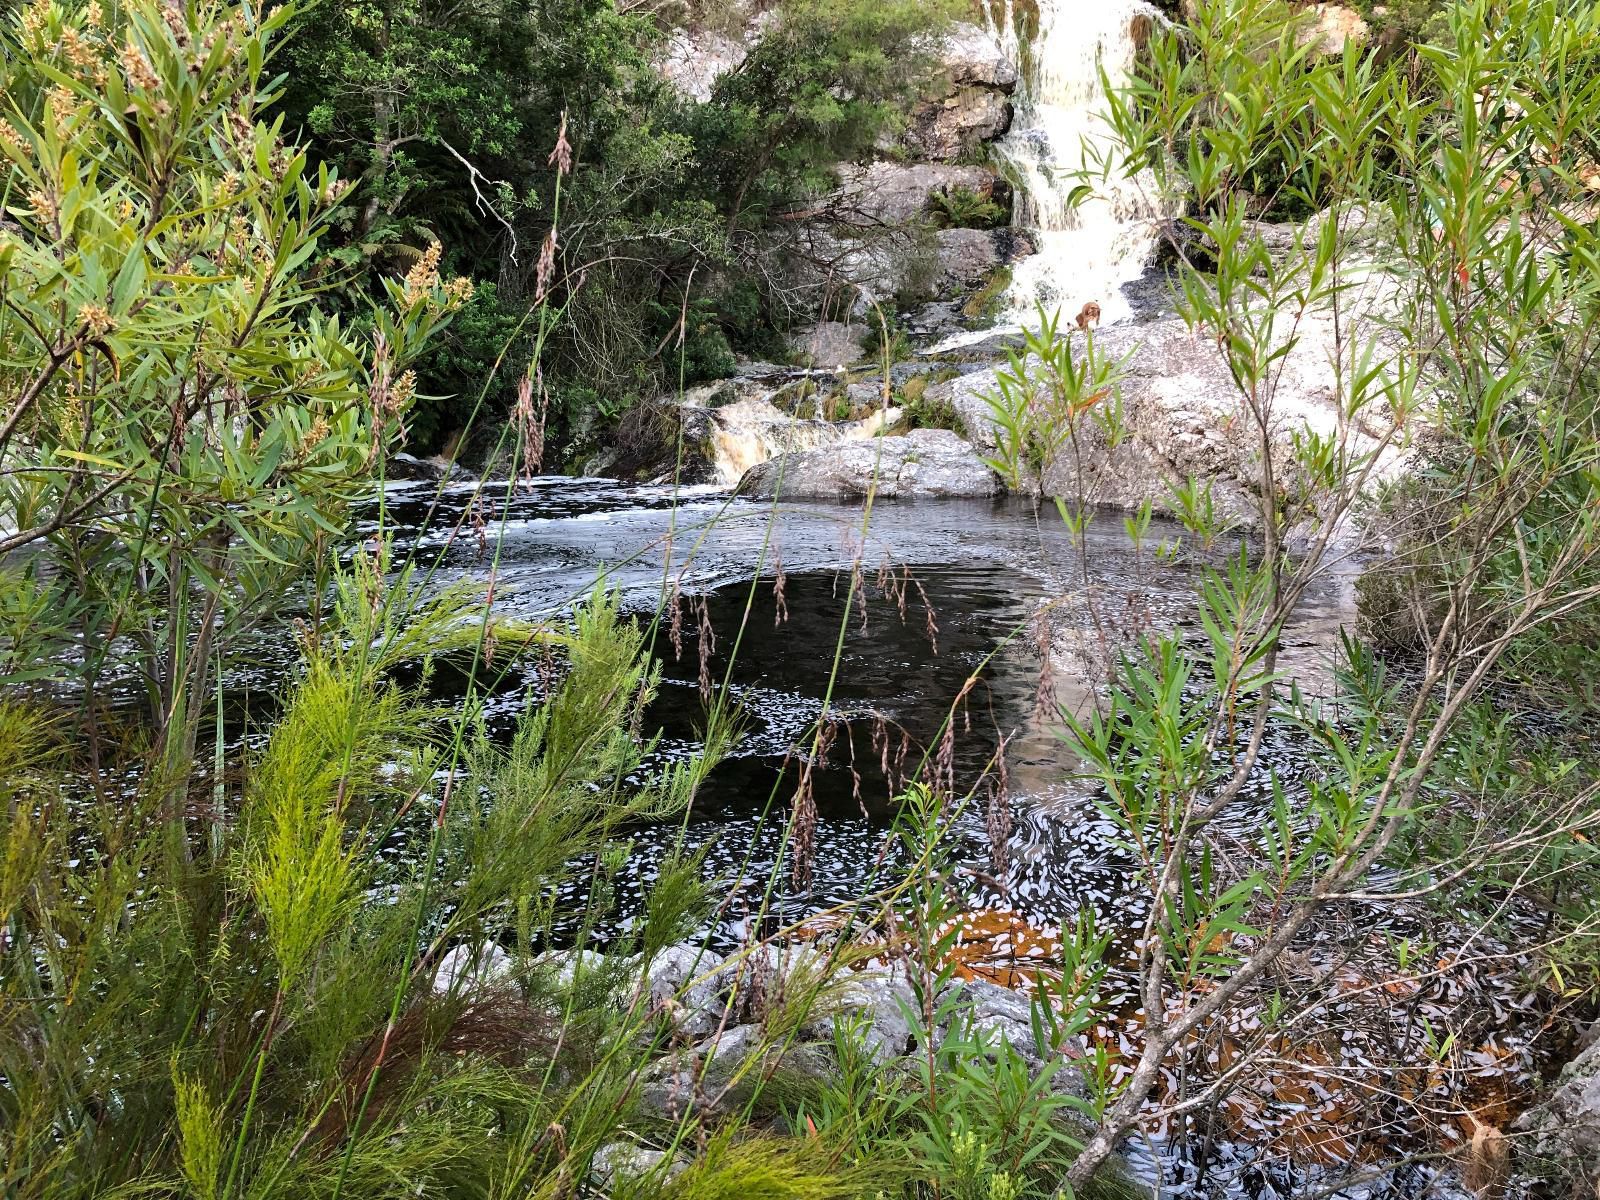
(137, 69)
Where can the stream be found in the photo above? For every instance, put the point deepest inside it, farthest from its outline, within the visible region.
(945, 591)
(972, 575)
(985, 618)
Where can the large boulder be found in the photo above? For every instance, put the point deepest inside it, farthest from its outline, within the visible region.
(968, 257)
(619, 1164)
(692, 61)
(973, 107)
(1330, 27)
(887, 193)
(1183, 415)
(830, 344)
(956, 125)
(973, 57)
(926, 463)
(716, 433)
(687, 985)
(878, 1002)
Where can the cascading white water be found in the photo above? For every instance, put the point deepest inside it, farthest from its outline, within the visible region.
(1084, 252)
(750, 431)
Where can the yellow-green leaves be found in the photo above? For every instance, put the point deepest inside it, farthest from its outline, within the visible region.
(305, 882)
(165, 361)
(200, 1121)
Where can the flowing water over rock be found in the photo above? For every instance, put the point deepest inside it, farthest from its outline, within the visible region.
(1088, 250)
(748, 432)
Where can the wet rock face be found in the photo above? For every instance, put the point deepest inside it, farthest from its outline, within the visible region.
(926, 463)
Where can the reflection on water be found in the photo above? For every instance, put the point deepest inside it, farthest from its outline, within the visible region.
(886, 629)
(946, 591)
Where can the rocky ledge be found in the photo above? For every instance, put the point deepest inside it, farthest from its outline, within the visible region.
(1183, 418)
(1562, 1136)
(924, 464)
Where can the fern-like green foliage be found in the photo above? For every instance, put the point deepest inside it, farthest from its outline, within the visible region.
(256, 1014)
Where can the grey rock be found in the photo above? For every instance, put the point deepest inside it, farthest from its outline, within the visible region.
(685, 982)
(832, 344)
(693, 62)
(1565, 1130)
(1182, 412)
(718, 1074)
(875, 1001)
(470, 968)
(754, 369)
(956, 125)
(894, 193)
(1001, 1015)
(926, 463)
(940, 319)
(743, 1054)
(965, 397)
(695, 55)
(864, 395)
(711, 439)
(409, 467)
(973, 57)
(590, 969)
(622, 1162)
(967, 257)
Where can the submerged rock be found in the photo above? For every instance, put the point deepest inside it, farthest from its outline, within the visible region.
(926, 463)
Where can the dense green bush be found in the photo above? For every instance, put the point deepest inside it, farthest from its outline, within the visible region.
(656, 239)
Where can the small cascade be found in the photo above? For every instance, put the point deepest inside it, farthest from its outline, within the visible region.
(1085, 252)
(748, 432)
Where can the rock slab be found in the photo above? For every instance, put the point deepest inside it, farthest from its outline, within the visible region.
(925, 463)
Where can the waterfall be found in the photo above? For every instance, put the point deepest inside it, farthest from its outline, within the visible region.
(1085, 253)
(752, 431)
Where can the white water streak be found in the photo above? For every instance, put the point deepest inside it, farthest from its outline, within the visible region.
(1085, 252)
